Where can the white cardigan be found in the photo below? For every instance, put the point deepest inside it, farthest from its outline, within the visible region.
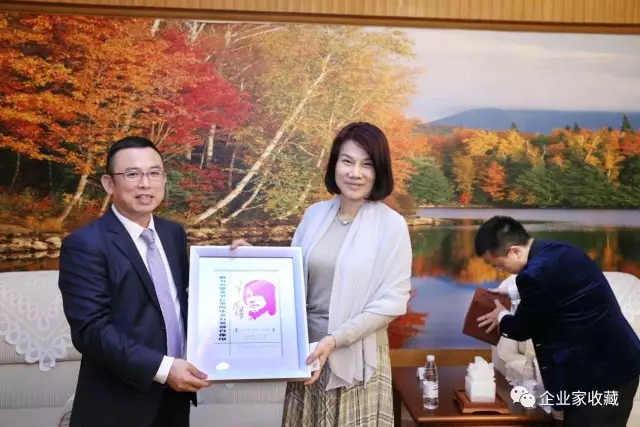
(372, 275)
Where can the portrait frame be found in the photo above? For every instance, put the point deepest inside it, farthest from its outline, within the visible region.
(228, 341)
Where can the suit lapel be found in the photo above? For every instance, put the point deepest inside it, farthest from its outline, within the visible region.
(123, 241)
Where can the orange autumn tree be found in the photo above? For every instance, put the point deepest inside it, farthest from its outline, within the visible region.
(34, 107)
(463, 171)
(205, 106)
(494, 181)
(87, 81)
(405, 144)
(630, 144)
(84, 81)
(488, 151)
(568, 167)
(314, 80)
(464, 176)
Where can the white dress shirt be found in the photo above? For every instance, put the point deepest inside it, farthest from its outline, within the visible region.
(135, 231)
(514, 295)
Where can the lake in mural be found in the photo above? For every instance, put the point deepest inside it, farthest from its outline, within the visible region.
(446, 270)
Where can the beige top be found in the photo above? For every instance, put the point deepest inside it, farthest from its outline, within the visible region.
(321, 265)
(372, 275)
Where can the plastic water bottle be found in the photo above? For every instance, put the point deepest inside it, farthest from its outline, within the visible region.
(430, 384)
(530, 377)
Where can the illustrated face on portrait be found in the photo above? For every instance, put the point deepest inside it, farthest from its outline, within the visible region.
(259, 297)
(136, 194)
(255, 303)
(355, 174)
(512, 262)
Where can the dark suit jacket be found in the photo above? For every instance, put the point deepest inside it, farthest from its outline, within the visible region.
(116, 323)
(582, 340)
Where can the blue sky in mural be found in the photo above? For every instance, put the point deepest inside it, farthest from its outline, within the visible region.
(465, 69)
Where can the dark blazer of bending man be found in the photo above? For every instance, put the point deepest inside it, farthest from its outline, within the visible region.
(123, 280)
(582, 341)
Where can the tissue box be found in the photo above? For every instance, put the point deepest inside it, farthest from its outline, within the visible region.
(480, 391)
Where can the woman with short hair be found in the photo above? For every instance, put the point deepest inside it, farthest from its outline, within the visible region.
(357, 264)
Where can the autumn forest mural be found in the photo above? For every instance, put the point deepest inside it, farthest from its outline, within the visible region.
(245, 113)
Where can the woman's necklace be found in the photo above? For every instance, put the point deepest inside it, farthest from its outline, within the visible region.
(344, 221)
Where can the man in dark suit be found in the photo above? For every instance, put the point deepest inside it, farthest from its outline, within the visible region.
(123, 280)
(583, 344)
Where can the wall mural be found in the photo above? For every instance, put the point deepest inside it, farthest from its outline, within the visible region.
(537, 125)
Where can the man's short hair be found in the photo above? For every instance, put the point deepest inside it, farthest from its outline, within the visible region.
(372, 140)
(498, 233)
(127, 142)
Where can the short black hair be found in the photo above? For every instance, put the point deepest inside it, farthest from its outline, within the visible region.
(128, 142)
(372, 140)
(498, 233)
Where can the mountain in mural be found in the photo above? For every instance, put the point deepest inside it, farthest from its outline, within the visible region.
(542, 121)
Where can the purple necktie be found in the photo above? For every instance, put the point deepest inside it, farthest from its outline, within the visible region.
(161, 283)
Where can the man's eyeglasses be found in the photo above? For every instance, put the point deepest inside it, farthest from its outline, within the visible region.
(136, 175)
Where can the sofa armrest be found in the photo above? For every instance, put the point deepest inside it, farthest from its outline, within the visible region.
(65, 414)
(507, 349)
(504, 352)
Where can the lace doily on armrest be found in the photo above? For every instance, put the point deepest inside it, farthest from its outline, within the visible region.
(32, 320)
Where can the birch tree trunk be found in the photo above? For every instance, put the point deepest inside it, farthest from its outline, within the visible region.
(105, 203)
(77, 195)
(307, 188)
(269, 149)
(210, 146)
(155, 26)
(258, 188)
(16, 172)
(247, 202)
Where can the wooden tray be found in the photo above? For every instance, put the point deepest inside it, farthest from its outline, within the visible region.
(469, 407)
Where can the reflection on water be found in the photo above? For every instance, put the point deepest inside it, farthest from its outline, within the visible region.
(446, 273)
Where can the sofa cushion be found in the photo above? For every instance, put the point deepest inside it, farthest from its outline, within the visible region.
(33, 327)
(38, 417)
(26, 386)
(255, 404)
(237, 415)
(243, 393)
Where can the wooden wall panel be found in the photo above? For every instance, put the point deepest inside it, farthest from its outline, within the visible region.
(536, 15)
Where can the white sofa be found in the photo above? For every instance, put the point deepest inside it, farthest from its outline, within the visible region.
(509, 356)
(39, 366)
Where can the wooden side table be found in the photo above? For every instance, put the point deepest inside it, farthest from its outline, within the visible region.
(407, 391)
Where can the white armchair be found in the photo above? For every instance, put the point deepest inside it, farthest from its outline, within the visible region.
(39, 365)
(509, 356)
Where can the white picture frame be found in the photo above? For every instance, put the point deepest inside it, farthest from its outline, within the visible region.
(247, 317)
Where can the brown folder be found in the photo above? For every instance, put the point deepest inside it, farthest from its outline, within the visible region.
(481, 304)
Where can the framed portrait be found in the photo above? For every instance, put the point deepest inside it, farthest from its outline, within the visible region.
(247, 313)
